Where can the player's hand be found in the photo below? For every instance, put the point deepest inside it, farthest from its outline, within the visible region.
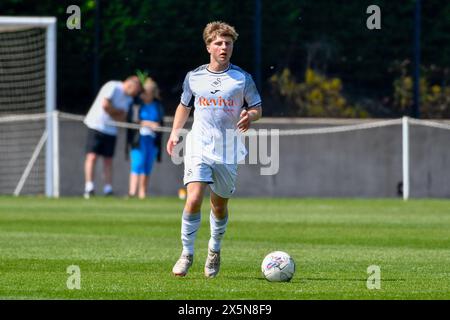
(173, 140)
(244, 122)
(119, 115)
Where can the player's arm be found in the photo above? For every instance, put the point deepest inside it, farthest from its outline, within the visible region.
(248, 116)
(181, 116)
(116, 114)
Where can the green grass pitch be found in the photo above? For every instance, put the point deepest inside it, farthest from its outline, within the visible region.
(126, 248)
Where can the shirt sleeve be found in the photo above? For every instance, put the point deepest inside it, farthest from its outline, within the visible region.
(251, 94)
(187, 92)
(107, 91)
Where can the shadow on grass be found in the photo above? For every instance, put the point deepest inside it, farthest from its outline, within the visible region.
(344, 279)
(296, 279)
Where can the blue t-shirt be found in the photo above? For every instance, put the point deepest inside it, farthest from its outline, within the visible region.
(149, 112)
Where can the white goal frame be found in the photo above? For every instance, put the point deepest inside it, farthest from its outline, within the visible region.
(52, 143)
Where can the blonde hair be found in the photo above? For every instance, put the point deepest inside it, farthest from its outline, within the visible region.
(152, 86)
(218, 28)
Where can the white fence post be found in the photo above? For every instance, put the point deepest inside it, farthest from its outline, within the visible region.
(55, 153)
(405, 157)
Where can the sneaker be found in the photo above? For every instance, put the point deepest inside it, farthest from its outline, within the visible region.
(89, 194)
(212, 264)
(109, 194)
(183, 264)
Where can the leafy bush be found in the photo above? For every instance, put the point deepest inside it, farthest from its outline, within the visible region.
(434, 92)
(317, 96)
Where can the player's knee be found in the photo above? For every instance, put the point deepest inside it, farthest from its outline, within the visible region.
(91, 156)
(194, 202)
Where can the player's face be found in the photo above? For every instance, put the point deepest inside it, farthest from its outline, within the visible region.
(221, 49)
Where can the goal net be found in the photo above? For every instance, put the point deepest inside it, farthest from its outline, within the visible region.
(27, 100)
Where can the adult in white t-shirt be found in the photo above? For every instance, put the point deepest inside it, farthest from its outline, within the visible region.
(111, 104)
(213, 147)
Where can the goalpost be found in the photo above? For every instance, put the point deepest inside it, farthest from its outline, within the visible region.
(28, 90)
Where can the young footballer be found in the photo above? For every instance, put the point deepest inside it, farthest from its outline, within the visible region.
(220, 91)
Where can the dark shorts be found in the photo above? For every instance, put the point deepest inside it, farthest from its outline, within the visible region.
(100, 143)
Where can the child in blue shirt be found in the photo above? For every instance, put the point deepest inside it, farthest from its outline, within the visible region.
(144, 153)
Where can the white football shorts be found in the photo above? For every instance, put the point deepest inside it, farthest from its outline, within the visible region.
(221, 177)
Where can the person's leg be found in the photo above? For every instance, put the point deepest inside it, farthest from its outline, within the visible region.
(92, 148)
(89, 170)
(195, 194)
(218, 221)
(191, 215)
(190, 223)
(133, 184)
(143, 182)
(197, 175)
(149, 156)
(224, 176)
(135, 171)
(107, 151)
(107, 175)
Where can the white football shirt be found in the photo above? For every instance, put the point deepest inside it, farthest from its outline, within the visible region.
(97, 118)
(219, 99)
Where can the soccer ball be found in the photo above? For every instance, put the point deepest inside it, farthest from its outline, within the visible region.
(278, 266)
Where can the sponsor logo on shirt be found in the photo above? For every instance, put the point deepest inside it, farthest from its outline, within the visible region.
(219, 102)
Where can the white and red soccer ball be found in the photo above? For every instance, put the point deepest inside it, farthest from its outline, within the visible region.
(278, 266)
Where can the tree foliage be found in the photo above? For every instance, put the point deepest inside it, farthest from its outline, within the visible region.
(316, 96)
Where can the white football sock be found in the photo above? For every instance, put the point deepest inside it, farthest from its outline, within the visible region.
(190, 223)
(89, 186)
(218, 228)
